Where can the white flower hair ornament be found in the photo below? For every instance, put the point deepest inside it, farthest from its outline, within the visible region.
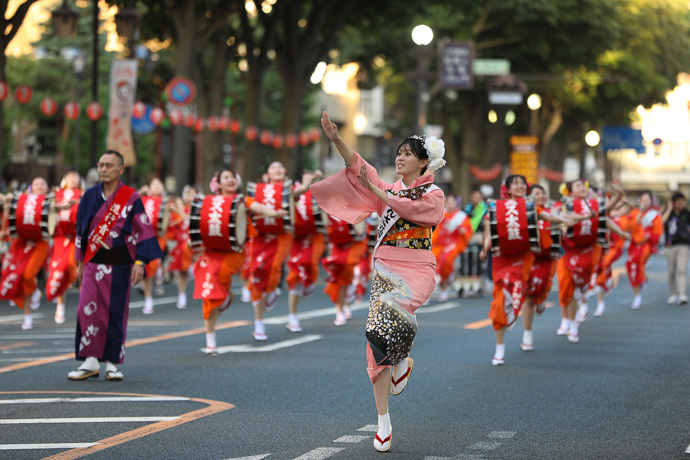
(436, 150)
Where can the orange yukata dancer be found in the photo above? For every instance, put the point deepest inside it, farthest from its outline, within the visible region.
(346, 249)
(449, 240)
(604, 275)
(362, 271)
(62, 269)
(645, 227)
(181, 256)
(156, 205)
(221, 259)
(404, 266)
(28, 251)
(518, 239)
(307, 247)
(271, 247)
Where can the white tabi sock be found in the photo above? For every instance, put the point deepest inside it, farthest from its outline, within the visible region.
(527, 338)
(292, 319)
(211, 340)
(148, 302)
(500, 351)
(259, 327)
(384, 426)
(91, 364)
(182, 298)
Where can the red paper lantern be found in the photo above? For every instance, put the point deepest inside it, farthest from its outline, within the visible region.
(139, 110)
(315, 134)
(235, 126)
(176, 117)
(48, 106)
(266, 137)
(251, 133)
(277, 141)
(304, 138)
(291, 140)
(23, 94)
(157, 115)
(94, 111)
(4, 90)
(71, 110)
(190, 119)
(223, 122)
(213, 123)
(199, 125)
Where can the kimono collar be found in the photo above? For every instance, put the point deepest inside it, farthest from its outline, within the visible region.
(100, 189)
(418, 181)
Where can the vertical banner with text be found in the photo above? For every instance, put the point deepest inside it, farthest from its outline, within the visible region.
(123, 87)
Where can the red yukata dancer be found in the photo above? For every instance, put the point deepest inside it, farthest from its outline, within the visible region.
(513, 259)
(157, 209)
(363, 267)
(221, 259)
(62, 270)
(404, 266)
(307, 247)
(181, 256)
(450, 239)
(28, 251)
(346, 249)
(604, 276)
(645, 227)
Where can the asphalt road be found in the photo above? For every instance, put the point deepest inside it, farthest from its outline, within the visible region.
(623, 392)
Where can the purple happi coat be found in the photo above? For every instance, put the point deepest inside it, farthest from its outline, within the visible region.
(104, 297)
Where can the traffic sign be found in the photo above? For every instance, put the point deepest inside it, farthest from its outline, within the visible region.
(181, 91)
(491, 67)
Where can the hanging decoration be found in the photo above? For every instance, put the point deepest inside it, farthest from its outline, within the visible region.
(176, 117)
(4, 90)
(235, 125)
(48, 106)
(277, 141)
(251, 133)
(199, 124)
(94, 111)
(315, 134)
(304, 138)
(486, 174)
(71, 110)
(139, 110)
(291, 140)
(157, 116)
(550, 174)
(23, 94)
(266, 137)
(212, 123)
(190, 120)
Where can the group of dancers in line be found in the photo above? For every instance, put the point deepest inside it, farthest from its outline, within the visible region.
(276, 224)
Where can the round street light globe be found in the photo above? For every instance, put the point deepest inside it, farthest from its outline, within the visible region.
(534, 102)
(422, 35)
(592, 138)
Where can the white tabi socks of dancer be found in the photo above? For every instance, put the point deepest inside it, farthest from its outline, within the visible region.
(382, 441)
(499, 355)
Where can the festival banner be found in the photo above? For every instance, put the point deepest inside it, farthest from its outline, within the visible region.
(123, 86)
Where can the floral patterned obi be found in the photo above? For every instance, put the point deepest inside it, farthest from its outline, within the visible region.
(406, 234)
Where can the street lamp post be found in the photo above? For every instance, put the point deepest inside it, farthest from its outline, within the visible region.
(422, 35)
(78, 65)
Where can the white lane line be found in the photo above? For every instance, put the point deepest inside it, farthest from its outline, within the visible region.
(320, 453)
(21, 360)
(502, 434)
(22, 421)
(371, 428)
(161, 301)
(253, 457)
(13, 318)
(485, 445)
(62, 445)
(314, 313)
(352, 439)
(89, 399)
(269, 347)
(437, 308)
(687, 451)
(30, 336)
(36, 350)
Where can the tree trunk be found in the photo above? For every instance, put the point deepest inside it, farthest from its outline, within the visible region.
(291, 122)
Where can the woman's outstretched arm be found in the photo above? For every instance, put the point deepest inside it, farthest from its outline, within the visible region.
(331, 131)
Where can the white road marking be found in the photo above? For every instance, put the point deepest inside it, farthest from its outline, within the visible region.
(13, 318)
(36, 350)
(485, 445)
(320, 453)
(314, 313)
(352, 439)
(160, 301)
(371, 428)
(268, 347)
(436, 308)
(90, 399)
(21, 421)
(687, 451)
(502, 434)
(29, 336)
(62, 445)
(253, 457)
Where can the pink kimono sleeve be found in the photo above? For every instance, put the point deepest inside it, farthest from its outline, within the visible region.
(342, 196)
(426, 211)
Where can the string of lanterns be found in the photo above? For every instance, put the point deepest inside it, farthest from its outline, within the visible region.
(494, 172)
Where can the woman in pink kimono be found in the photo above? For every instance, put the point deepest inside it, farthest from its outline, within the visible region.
(404, 266)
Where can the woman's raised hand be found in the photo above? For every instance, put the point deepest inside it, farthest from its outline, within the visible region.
(363, 177)
(329, 128)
